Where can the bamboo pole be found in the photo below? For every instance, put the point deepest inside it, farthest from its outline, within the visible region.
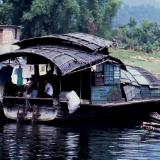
(80, 94)
(151, 124)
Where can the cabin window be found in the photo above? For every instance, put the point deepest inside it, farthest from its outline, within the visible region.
(111, 74)
(1, 35)
(106, 74)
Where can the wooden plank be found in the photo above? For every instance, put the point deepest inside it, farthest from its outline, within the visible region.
(118, 103)
(29, 98)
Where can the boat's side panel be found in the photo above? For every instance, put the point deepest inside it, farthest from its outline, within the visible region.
(107, 87)
(112, 111)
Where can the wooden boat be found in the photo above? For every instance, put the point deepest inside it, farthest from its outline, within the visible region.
(99, 85)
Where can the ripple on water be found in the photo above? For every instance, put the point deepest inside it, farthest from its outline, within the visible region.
(77, 142)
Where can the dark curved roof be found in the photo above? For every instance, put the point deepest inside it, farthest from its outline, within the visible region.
(66, 59)
(69, 52)
(82, 40)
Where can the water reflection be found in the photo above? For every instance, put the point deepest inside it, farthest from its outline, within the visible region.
(77, 142)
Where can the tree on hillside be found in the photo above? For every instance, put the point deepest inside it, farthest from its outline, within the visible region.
(39, 17)
(145, 37)
(6, 15)
(18, 8)
(49, 16)
(132, 22)
(110, 10)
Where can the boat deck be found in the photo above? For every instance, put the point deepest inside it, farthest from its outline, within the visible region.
(87, 102)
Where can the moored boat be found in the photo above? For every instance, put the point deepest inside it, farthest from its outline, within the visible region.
(88, 83)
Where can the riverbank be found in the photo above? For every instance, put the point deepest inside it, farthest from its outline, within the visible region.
(148, 61)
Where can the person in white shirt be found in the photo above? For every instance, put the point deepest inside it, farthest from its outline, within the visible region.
(48, 90)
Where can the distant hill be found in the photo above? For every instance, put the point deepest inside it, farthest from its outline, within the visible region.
(153, 3)
(138, 12)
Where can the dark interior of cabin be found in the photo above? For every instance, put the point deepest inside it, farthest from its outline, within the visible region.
(80, 82)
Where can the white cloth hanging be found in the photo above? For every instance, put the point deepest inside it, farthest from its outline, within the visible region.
(28, 71)
(55, 70)
(42, 69)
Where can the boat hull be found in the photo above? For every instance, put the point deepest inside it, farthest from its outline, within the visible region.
(44, 115)
(111, 111)
(88, 112)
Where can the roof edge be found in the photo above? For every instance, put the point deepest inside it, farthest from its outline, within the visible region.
(11, 26)
(85, 41)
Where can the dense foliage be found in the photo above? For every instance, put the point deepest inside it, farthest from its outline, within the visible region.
(145, 37)
(43, 17)
(142, 31)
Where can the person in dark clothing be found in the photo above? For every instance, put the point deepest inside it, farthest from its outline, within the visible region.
(34, 86)
(5, 74)
(10, 89)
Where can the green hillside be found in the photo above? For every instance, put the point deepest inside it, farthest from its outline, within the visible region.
(139, 13)
(151, 62)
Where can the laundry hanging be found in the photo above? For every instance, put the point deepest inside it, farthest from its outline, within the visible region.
(42, 69)
(19, 76)
(28, 71)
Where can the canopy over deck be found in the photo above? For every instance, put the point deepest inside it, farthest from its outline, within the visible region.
(138, 76)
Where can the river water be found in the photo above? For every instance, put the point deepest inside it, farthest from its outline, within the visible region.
(84, 142)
